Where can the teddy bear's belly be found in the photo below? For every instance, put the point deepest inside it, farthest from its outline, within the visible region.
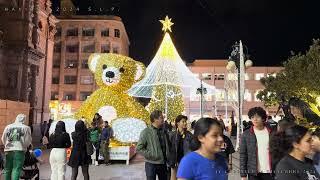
(108, 113)
(126, 129)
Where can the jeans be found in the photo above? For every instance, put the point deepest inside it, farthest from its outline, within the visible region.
(153, 170)
(58, 163)
(13, 164)
(85, 172)
(261, 176)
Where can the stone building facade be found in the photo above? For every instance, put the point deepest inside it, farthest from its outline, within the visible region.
(28, 29)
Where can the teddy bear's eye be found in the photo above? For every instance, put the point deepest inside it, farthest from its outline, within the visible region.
(104, 66)
(122, 69)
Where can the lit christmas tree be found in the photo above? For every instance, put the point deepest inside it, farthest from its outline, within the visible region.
(168, 80)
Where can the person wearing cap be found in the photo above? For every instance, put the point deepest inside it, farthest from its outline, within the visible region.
(16, 138)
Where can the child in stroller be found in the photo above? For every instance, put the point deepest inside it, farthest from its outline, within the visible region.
(30, 168)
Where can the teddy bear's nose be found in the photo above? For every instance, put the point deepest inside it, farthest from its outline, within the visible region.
(110, 74)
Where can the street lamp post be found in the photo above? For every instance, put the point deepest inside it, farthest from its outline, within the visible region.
(201, 91)
(236, 60)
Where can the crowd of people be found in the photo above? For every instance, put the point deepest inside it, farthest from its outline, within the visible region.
(174, 152)
(269, 150)
(17, 144)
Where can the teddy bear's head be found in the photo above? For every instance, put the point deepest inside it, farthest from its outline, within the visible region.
(115, 71)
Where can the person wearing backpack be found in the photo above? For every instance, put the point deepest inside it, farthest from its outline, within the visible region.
(94, 136)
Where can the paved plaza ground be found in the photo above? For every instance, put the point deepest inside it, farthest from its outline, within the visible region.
(120, 171)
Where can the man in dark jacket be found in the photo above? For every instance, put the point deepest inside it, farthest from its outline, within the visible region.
(255, 158)
(106, 135)
(154, 146)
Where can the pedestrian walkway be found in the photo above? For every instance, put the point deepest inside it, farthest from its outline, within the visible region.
(120, 171)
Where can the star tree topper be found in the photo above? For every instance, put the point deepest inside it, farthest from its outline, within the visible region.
(166, 24)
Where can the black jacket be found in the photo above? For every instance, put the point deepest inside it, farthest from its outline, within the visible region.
(248, 153)
(290, 168)
(79, 156)
(59, 140)
(175, 138)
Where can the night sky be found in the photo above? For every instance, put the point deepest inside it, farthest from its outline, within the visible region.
(206, 29)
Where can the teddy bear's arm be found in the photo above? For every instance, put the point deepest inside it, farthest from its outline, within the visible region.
(87, 108)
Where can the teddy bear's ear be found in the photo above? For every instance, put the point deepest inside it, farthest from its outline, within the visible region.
(141, 71)
(93, 61)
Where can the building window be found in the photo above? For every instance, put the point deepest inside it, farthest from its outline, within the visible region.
(54, 95)
(70, 79)
(70, 64)
(219, 77)
(116, 50)
(247, 95)
(272, 74)
(55, 80)
(87, 32)
(195, 97)
(105, 33)
(105, 48)
(72, 48)
(72, 32)
(247, 76)
(86, 80)
(58, 33)
(258, 76)
(56, 63)
(207, 97)
(69, 96)
(84, 64)
(117, 33)
(57, 48)
(206, 76)
(84, 95)
(89, 48)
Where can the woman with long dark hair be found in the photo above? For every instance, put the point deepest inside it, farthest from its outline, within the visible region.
(295, 146)
(79, 155)
(180, 143)
(59, 141)
(204, 162)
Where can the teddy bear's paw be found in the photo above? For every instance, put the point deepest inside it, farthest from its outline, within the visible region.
(127, 130)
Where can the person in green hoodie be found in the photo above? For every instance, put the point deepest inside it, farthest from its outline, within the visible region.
(154, 146)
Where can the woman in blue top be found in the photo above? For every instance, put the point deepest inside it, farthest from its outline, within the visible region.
(204, 163)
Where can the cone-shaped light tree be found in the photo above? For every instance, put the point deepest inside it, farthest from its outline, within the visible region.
(168, 80)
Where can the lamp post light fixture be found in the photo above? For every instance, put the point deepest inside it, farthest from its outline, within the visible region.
(201, 91)
(239, 60)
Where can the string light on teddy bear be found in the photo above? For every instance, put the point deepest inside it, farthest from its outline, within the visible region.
(112, 96)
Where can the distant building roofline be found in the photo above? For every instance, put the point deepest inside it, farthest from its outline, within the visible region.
(209, 62)
(89, 17)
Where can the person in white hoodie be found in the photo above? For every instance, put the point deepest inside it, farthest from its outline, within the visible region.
(16, 138)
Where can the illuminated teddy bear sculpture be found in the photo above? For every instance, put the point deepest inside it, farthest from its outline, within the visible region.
(115, 74)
